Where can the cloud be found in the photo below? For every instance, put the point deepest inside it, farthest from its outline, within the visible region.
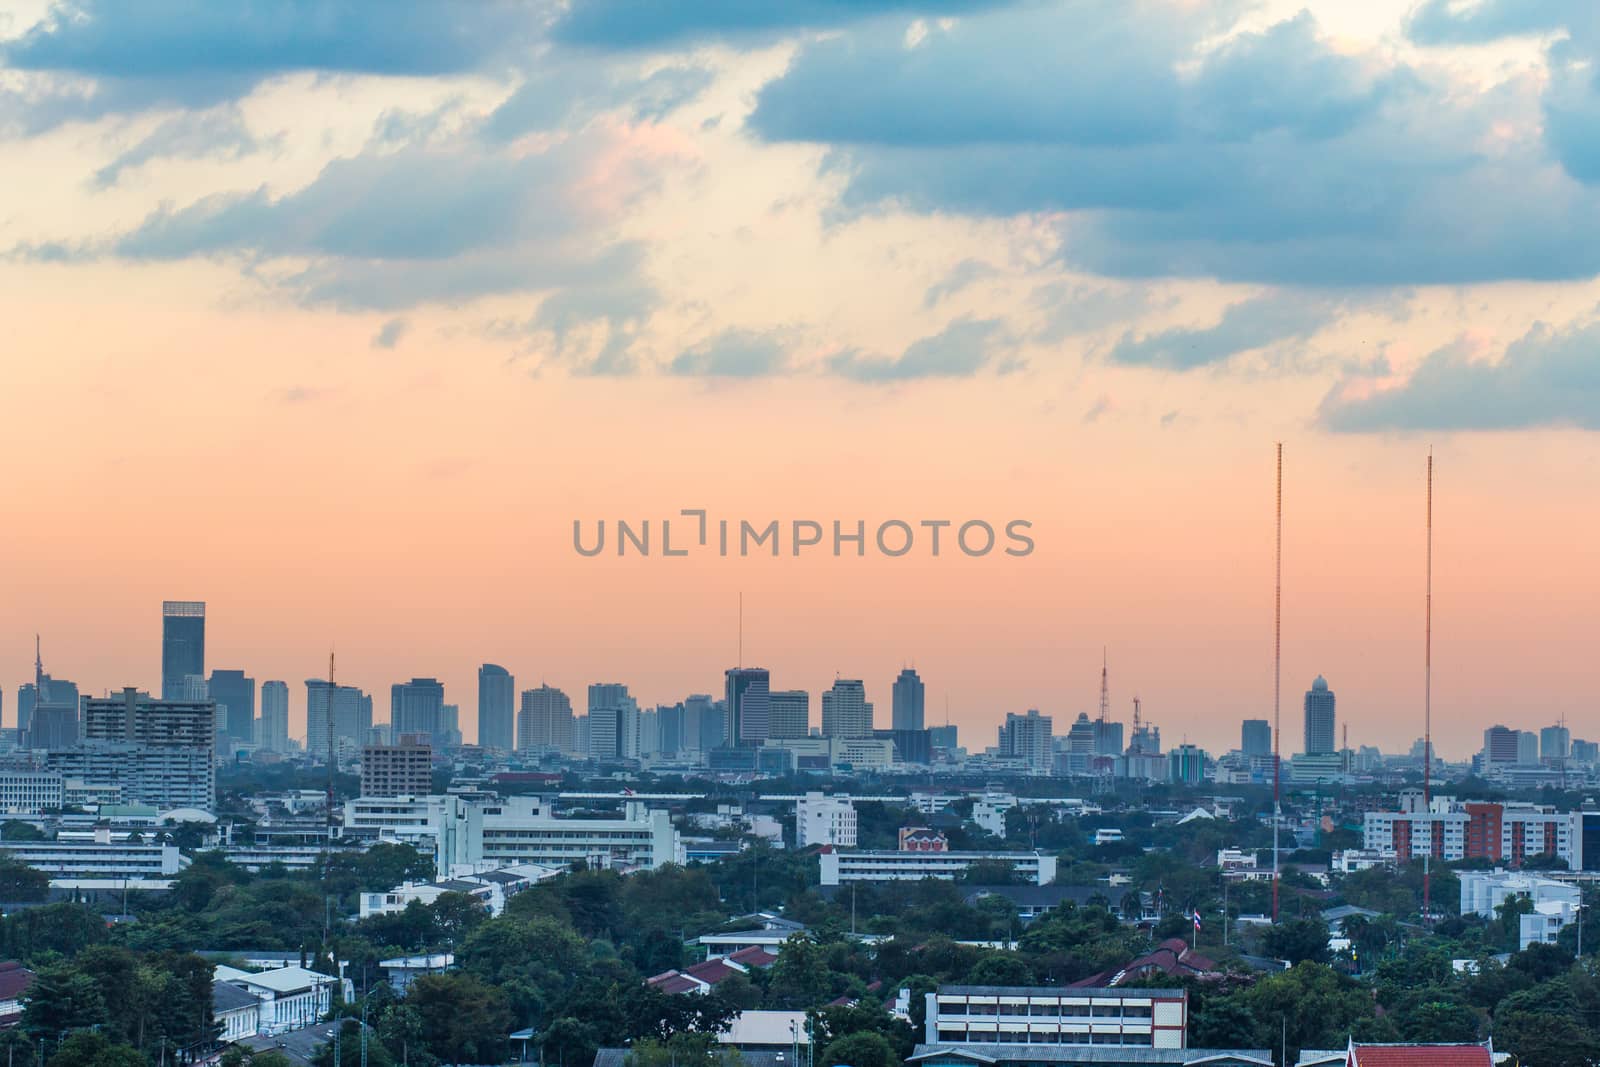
(1246, 326)
(961, 276)
(733, 354)
(1548, 377)
(556, 94)
(216, 134)
(1274, 158)
(390, 334)
(1443, 22)
(196, 53)
(960, 350)
(1070, 309)
(628, 24)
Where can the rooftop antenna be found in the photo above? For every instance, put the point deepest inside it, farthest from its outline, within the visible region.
(1277, 677)
(39, 687)
(741, 628)
(1427, 711)
(1105, 688)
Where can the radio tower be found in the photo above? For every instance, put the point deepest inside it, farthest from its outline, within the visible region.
(333, 761)
(1105, 691)
(1277, 675)
(1427, 711)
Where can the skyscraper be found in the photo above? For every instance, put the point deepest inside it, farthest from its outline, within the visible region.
(845, 711)
(183, 645)
(545, 722)
(789, 713)
(702, 724)
(273, 725)
(908, 698)
(613, 722)
(1255, 737)
(417, 707)
(749, 706)
(1029, 737)
(1555, 743)
(235, 696)
(497, 695)
(1319, 719)
(352, 718)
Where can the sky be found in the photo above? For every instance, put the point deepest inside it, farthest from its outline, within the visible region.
(338, 316)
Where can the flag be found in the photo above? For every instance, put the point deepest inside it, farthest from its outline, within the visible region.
(1197, 918)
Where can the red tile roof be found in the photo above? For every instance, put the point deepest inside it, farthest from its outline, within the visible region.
(14, 980)
(754, 956)
(1420, 1056)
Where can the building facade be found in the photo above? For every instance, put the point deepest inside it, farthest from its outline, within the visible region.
(845, 709)
(1319, 718)
(403, 769)
(909, 698)
(497, 695)
(183, 645)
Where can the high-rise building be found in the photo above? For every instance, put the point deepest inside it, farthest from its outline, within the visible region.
(545, 722)
(402, 769)
(53, 727)
(789, 714)
(1029, 737)
(273, 725)
(235, 695)
(908, 698)
(702, 724)
(417, 707)
(1255, 737)
(497, 695)
(450, 725)
(27, 697)
(1187, 765)
(1555, 743)
(1319, 719)
(1527, 748)
(1500, 745)
(749, 706)
(942, 738)
(158, 752)
(613, 722)
(352, 718)
(845, 710)
(1080, 746)
(669, 718)
(183, 645)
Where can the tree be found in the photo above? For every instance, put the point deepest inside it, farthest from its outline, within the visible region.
(1298, 941)
(89, 1049)
(62, 998)
(1001, 968)
(21, 884)
(17, 830)
(860, 1050)
(350, 1049)
(1546, 1040)
(463, 1020)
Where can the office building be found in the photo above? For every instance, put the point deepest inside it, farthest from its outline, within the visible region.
(497, 695)
(942, 738)
(1555, 744)
(157, 752)
(449, 735)
(1319, 719)
(272, 731)
(789, 714)
(1029, 738)
(1452, 830)
(842, 866)
(544, 724)
(669, 729)
(417, 707)
(234, 693)
(1501, 746)
(1187, 765)
(351, 712)
(749, 713)
(403, 769)
(1255, 737)
(183, 645)
(613, 722)
(908, 699)
(54, 727)
(845, 710)
(30, 792)
(1079, 746)
(824, 820)
(1055, 1016)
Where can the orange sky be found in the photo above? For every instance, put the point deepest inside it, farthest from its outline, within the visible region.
(198, 428)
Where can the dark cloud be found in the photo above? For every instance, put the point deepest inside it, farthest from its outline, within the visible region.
(629, 24)
(389, 335)
(960, 350)
(1244, 327)
(1273, 158)
(962, 275)
(216, 134)
(1549, 377)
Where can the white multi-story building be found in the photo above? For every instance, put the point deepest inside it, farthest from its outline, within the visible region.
(237, 1012)
(824, 820)
(1029, 738)
(103, 857)
(989, 812)
(1452, 830)
(1555, 904)
(839, 867)
(288, 998)
(30, 792)
(490, 888)
(1021, 1015)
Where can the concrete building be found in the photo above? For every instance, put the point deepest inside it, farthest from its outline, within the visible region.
(183, 645)
(103, 856)
(1319, 718)
(1555, 904)
(749, 707)
(352, 718)
(1500, 833)
(789, 714)
(839, 867)
(417, 707)
(845, 710)
(1052, 1015)
(1255, 737)
(909, 698)
(30, 792)
(544, 723)
(497, 695)
(1029, 738)
(403, 769)
(236, 1011)
(613, 722)
(824, 820)
(272, 726)
(234, 694)
(287, 998)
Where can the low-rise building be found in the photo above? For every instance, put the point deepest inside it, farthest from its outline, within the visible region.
(102, 856)
(403, 970)
(841, 866)
(236, 1010)
(1554, 904)
(1148, 1018)
(289, 998)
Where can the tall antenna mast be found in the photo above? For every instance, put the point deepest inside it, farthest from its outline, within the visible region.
(741, 628)
(1427, 711)
(1277, 677)
(1105, 688)
(39, 696)
(333, 761)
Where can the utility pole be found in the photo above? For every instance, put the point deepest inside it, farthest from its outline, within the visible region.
(1427, 715)
(1277, 676)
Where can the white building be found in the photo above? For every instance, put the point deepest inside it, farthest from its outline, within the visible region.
(490, 888)
(236, 1010)
(403, 970)
(1020, 1015)
(1028, 738)
(1555, 904)
(103, 856)
(30, 792)
(989, 812)
(824, 820)
(1502, 833)
(883, 866)
(289, 998)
